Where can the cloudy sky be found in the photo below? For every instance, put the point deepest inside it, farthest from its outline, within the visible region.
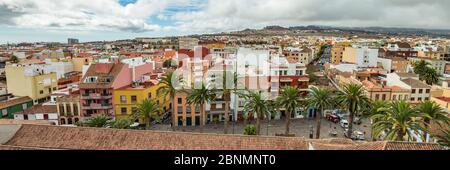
(88, 20)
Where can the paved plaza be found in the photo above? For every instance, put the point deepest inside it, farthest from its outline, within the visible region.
(299, 127)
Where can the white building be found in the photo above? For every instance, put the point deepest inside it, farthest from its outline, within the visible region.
(59, 67)
(419, 90)
(39, 112)
(361, 56)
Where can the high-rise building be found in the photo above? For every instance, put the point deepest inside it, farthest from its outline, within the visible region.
(72, 41)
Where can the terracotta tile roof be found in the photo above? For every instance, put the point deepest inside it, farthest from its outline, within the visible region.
(8, 147)
(115, 139)
(411, 146)
(108, 69)
(415, 83)
(24, 122)
(59, 137)
(39, 109)
(12, 102)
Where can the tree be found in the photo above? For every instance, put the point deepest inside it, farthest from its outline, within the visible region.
(289, 100)
(425, 72)
(420, 66)
(100, 121)
(396, 122)
(14, 59)
(353, 98)
(430, 76)
(201, 96)
(319, 99)
(257, 103)
(430, 111)
(122, 124)
(444, 139)
(148, 110)
(167, 88)
(250, 130)
(374, 108)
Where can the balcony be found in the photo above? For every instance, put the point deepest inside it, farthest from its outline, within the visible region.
(96, 106)
(96, 96)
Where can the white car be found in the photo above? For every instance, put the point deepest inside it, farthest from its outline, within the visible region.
(344, 123)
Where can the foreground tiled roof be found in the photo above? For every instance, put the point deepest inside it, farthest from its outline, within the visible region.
(58, 137)
(105, 139)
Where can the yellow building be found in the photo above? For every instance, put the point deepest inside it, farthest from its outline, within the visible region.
(31, 80)
(79, 62)
(336, 54)
(126, 99)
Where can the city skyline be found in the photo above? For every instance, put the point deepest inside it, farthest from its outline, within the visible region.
(55, 21)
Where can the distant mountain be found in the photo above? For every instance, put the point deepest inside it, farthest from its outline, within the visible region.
(275, 29)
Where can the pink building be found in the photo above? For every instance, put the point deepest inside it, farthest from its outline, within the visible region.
(99, 82)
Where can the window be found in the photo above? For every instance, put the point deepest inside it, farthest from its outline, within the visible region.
(149, 95)
(384, 97)
(180, 100)
(24, 106)
(54, 88)
(61, 109)
(45, 116)
(426, 98)
(427, 91)
(68, 108)
(41, 92)
(133, 99)
(394, 97)
(420, 91)
(123, 99)
(419, 99)
(123, 110)
(413, 90)
(75, 109)
(377, 96)
(25, 117)
(412, 98)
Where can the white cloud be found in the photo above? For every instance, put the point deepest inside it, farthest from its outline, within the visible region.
(83, 14)
(199, 16)
(238, 14)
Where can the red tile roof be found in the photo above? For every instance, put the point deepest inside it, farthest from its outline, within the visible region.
(59, 137)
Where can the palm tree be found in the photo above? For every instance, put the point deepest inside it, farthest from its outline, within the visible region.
(319, 99)
(98, 121)
(289, 100)
(148, 110)
(444, 139)
(200, 97)
(397, 121)
(353, 98)
(430, 111)
(167, 88)
(430, 76)
(258, 104)
(375, 107)
(420, 66)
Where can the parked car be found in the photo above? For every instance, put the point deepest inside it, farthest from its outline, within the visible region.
(333, 118)
(344, 123)
(356, 135)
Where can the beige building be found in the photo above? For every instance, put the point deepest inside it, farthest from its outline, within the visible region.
(336, 54)
(79, 62)
(33, 81)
